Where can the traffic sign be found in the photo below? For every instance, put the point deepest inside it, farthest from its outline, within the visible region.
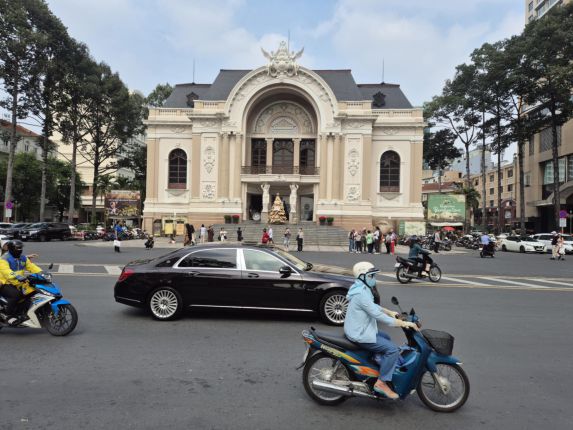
(562, 214)
(10, 205)
(8, 213)
(562, 222)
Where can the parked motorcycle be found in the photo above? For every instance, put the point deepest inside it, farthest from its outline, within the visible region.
(44, 306)
(336, 368)
(406, 270)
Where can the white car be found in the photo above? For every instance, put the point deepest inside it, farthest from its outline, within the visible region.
(546, 238)
(3, 239)
(522, 244)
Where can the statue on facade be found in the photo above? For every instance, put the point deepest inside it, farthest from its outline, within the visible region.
(281, 61)
(277, 213)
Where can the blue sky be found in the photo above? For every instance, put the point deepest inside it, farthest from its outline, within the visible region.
(421, 41)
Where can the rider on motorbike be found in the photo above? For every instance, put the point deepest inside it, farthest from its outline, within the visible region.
(12, 267)
(415, 251)
(360, 324)
(486, 242)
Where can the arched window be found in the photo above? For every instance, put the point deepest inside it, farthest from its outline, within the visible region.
(177, 169)
(389, 172)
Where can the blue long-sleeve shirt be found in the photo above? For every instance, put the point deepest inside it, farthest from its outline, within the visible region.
(360, 324)
(415, 251)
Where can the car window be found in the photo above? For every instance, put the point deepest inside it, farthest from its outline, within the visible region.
(567, 238)
(259, 260)
(212, 258)
(528, 239)
(511, 238)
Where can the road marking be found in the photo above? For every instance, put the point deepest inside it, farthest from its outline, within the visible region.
(463, 281)
(113, 270)
(520, 284)
(66, 268)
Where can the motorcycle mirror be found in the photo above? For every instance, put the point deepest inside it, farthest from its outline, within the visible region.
(395, 301)
(51, 266)
(412, 311)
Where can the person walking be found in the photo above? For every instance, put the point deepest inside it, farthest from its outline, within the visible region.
(561, 248)
(363, 240)
(370, 241)
(222, 235)
(202, 233)
(286, 239)
(300, 239)
(210, 234)
(117, 245)
(358, 241)
(270, 231)
(393, 242)
(554, 245)
(192, 234)
(437, 241)
(377, 234)
(239, 235)
(187, 235)
(388, 241)
(265, 238)
(351, 241)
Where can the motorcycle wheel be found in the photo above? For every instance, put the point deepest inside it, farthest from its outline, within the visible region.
(435, 274)
(63, 323)
(320, 366)
(448, 247)
(481, 254)
(400, 275)
(457, 388)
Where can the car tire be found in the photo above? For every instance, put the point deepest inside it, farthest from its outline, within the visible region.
(43, 238)
(503, 248)
(165, 304)
(333, 307)
(522, 249)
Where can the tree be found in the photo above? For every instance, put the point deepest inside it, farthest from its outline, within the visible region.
(20, 48)
(548, 44)
(26, 190)
(158, 96)
(440, 150)
(59, 185)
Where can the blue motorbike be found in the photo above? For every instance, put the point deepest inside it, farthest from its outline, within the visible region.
(336, 368)
(44, 306)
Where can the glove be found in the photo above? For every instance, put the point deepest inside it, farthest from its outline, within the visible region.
(407, 324)
(20, 278)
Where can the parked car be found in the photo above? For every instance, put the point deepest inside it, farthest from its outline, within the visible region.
(522, 244)
(226, 276)
(15, 230)
(4, 227)
(44, 231)
(546, 238)
(3, 239)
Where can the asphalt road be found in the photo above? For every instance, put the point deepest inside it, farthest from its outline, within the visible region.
(235, 370)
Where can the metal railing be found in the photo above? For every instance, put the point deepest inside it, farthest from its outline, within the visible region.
(279, 170)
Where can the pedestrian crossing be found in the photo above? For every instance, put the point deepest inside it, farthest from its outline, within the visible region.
(488, 282)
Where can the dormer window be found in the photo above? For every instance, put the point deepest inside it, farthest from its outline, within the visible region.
(379, 100)
(191, 97)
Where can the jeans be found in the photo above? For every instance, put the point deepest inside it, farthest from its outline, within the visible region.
(388, 353)
(350, 245)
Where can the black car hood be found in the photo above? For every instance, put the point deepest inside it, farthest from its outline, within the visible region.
(333, 272)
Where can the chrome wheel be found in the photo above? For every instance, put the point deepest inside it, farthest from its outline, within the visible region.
(327, 369)
(334, 308)
(401, 275)
(435, 274)
(164, 303)
(446, 390)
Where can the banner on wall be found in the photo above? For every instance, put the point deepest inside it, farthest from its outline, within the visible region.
(123, 204)
(447, 207)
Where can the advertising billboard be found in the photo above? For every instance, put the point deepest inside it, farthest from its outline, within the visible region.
(447, 207)
(123, 204)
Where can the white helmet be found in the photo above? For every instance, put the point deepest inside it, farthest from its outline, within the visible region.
(362, 268)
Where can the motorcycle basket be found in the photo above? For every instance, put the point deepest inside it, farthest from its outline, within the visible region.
(441, 341)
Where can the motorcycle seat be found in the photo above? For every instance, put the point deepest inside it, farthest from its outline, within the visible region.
(338, 339)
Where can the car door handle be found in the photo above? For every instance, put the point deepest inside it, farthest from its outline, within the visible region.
(252, 275)
(191, 274)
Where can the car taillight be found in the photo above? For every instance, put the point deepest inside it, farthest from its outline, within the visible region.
(125, 273)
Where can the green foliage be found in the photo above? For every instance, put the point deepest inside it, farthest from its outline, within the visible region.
(439, 148)
(159, 94)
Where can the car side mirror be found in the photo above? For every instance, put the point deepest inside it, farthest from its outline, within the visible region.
(285, 270)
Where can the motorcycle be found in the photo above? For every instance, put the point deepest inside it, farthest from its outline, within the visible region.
(487, 250)
(44, 306)
(336, 368)
(406, 270)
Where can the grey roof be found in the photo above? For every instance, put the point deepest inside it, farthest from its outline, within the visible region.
(395, 98)
(341, 82)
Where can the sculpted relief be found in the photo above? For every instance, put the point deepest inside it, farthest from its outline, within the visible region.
(353, 162)
(284, 118)
(209, 159)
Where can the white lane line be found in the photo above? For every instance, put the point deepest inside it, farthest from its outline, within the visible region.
(550, 281)
(521, 284)
(463, 281)
(66, 268)
(113, 270)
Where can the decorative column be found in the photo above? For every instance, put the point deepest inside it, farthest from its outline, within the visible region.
(233, 175)
(269, 154)
(266, 199)
(296, 154)
(293, 217)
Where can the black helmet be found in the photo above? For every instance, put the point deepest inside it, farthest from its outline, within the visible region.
(15, 248)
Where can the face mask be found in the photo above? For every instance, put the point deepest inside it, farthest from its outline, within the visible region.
(371, 281)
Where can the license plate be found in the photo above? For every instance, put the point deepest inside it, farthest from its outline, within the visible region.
(397, 265)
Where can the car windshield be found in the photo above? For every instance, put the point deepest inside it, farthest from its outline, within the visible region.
(528, 239)
(297, 262)
(37, 225)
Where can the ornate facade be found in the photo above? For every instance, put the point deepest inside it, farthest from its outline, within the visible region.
(326, 145)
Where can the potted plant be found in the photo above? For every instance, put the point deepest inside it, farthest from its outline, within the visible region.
(322, 220)
(227, 219)
(236, 219)
(329, 220)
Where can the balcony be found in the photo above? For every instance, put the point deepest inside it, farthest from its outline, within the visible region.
(279, 170)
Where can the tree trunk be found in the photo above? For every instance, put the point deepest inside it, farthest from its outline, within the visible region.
(440, 181)
(468, 185)
(12, 150)
(72, 204)
(500, 214)
(44, 177)
(94, 194)
(483, 177)
(555, 153)
(520, 149)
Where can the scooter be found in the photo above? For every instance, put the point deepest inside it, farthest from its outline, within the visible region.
(406, 270)
(487, 250)
(44, 306)
(336, 368)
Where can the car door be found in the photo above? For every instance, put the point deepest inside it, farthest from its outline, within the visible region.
(208, 277)
(511, 243)
(264, 286)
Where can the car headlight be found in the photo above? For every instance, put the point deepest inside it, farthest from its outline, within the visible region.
(33, 231)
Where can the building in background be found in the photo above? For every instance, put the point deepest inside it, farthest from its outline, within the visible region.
(29, 141)
(459, 164)
(538, 164)
(326, 145)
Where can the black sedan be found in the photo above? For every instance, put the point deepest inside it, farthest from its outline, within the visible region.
(240, 277)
